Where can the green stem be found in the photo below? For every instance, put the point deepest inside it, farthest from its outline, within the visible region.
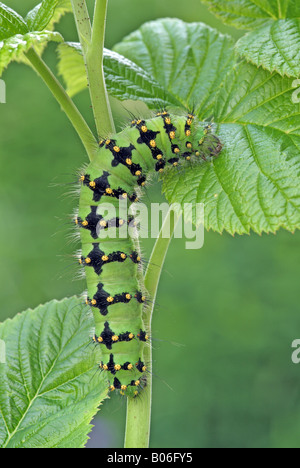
(65, 102)
(139, 410)
(92, 43)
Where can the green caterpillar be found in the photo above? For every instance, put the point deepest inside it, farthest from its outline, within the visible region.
(113, 270)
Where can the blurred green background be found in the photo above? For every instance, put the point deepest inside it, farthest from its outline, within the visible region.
(226, 314)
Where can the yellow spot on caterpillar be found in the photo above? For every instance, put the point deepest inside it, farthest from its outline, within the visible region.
(76, 221)
(88, 260)
(80, 261)
(82, 178)
(188, 158)
(105, 366)
(172, 135)
(124, 387)
(144, 129)
(100, 339)
(161, 170)
(84, 223)
(117, 367)
(131, 336)
(128, 297)
(143, 184)
(137, 383)
(87, 302)
(197, 153)
(138, 173)
(110, 299)
(93, 302)
(107, 142)
(104, 258)
(109, 191)
(189, 121)
(124, 195)
(138, 259)
(152, 143)
(189, 145)
(144, 368)
(123, 256)
(115, 338)
(168, 120)
(176, 150)
(130, 367)
(138, 122)
(143, 299)
(175, 163)
(101, 142)
(188, 133)
(191, 116)
(159, 157)
(128, 162)
(164, 113)
(112, 388)
(136, 393)
(103, 223)
(92, 184)
(146, 337)
(116, 149)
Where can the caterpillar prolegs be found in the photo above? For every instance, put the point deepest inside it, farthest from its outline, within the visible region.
(112, 266)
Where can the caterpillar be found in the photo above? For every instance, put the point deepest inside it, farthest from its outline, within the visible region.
(113, 266)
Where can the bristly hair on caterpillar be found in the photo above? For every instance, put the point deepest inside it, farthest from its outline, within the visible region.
(113, 264)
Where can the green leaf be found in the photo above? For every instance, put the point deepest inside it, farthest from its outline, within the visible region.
(189, 60)
(250, 14)
(62, 7)
(124, 79)
(38, 18)
(10, 22)
(255, 182)
(13, 48)
(275, 47)
(49, 385)
(274, 43)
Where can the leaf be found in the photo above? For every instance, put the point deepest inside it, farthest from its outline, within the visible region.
(275, 47)
(62, 7)
(49, 387)
(250, 14)
(38, 18)
(124, 79)
(275, 42)
(255, 183)
(10, 22)
(189, 60)
(13, 48)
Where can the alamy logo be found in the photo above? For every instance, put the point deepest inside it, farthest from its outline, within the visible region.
(2, 352)
(296, 353)
(295, 95)
(2, 92)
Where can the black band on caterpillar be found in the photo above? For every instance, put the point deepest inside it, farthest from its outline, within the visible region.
(112, 267)
(97, 258)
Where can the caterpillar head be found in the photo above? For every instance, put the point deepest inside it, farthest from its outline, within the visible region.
(209, 145)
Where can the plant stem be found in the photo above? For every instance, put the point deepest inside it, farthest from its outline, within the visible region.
(139, 410)
(65, 102)
(92, 42)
